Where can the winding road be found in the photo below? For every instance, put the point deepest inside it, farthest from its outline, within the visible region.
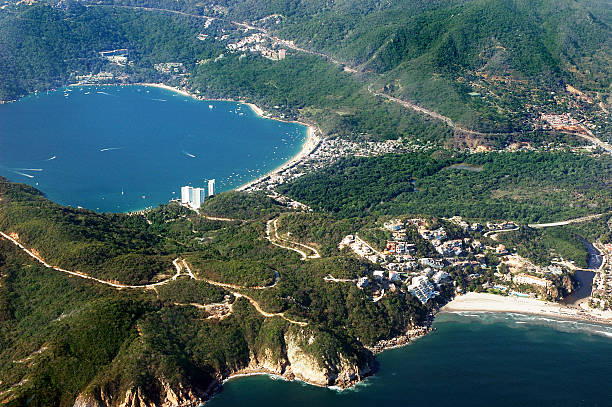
(274, 238)
(359, 70)
(182, 268)
(565, 222)
(79, 274)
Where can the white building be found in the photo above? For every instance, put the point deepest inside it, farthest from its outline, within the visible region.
(186, 194)
(211, 187)
(532, 280)
(199, 194)
(422, 288)
(194, 197)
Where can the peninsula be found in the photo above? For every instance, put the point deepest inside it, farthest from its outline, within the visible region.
(456, 160)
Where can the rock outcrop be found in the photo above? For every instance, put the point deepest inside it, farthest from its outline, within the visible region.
(305, 355)
(168, 396)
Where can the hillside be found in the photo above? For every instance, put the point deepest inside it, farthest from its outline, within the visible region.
(488, 65)
(66, 336)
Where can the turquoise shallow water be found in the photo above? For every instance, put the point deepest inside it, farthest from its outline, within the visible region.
(479, 359)
(83, 146)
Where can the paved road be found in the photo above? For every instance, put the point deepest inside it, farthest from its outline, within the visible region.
(565, 222)
(357, 70)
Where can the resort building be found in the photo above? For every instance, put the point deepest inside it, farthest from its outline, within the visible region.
(211, 187)
(422, 288)
(532, 280)
(199, 194)
(186, 194)
(194, 197)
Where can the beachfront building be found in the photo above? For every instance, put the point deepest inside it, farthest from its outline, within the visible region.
(422, 288)
(186, 194)
(211, 187)
(531, 280)
(199, 194)
(193, 197)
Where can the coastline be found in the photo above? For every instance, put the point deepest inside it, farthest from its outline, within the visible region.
(310, 144)
(482, 302)
(469, 302)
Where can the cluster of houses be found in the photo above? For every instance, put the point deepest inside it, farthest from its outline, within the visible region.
(423, 276)
(260, 44)
(326, 152)
(563, 121)
(116, 56)
(170, 68)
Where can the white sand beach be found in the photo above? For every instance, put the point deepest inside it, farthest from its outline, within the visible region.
(312, 140)
(475, 302)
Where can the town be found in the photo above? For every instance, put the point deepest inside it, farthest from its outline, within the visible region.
(426, 257)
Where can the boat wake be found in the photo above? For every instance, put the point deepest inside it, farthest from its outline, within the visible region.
(25, 175)
(188, 154)
(111, 149)
(51, 158)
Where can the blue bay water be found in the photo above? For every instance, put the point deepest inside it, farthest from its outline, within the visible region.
(117, 149)
(480, 359)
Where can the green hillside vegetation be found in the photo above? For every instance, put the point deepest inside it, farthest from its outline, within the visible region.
(92, 337)
(44, 47)
(486, 64)
(53, 46)
(511, 52)
(524, 187)
(543, 245)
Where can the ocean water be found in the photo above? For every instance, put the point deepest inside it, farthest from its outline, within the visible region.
(471, 359)
(117, 149)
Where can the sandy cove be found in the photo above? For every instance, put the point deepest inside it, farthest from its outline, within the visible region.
(311, 143)
(482, 302)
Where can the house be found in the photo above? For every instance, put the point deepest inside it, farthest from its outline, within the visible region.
(363, 282)
(451, 248)
(433, 263)
(398, 247)
(501, 249)
(379, 275)
(394, 276)
(441, 277)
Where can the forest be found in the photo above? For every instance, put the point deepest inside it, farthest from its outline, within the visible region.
(126, 338)
(523, 187)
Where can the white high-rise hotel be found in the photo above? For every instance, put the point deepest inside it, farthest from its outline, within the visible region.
(194, 197)
(211, 187)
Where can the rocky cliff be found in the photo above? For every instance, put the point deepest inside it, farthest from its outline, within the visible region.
(306, 355)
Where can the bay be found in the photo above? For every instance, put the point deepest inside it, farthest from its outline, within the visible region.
(478, 359)
(124, 148)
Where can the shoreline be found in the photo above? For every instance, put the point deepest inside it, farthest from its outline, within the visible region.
(483, 302)
(469, 302)
(310, 144)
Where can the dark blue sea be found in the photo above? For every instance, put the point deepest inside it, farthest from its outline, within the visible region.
(471, 359)
(117, 149)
